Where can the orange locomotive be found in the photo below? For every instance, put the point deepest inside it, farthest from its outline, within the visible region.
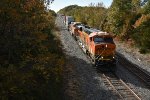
(73, 28)
(97, 44)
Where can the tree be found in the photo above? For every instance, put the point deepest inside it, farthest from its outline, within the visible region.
(142, 30)
(30, 58)
(121, 16)
(146, 8)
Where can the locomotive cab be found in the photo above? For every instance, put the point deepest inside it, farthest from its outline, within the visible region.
(102, 49)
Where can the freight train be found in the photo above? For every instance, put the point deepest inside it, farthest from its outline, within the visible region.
(98, 45)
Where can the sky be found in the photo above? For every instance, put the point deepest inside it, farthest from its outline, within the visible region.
(59, 4)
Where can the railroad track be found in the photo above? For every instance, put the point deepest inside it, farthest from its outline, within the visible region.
(139, 72)
(118, 87)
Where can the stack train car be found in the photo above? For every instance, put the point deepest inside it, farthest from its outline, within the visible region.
(98, 45)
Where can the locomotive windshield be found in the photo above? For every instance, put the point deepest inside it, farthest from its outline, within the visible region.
(103, 40)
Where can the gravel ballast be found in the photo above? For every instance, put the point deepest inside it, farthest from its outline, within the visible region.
(135, 57)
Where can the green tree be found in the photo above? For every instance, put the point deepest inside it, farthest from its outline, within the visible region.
(147, 8)
(121, 16)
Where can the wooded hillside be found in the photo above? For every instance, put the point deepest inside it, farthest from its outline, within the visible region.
(127, 19)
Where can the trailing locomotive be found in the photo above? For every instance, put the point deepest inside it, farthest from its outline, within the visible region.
(98, 45)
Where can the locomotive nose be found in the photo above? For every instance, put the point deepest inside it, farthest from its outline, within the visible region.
(105, 49)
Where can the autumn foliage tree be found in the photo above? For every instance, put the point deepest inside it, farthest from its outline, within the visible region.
(30, 58)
